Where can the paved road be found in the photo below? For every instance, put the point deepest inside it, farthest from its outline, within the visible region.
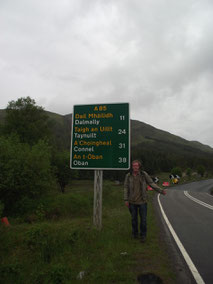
(193, 222)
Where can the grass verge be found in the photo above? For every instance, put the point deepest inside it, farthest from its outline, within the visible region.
(56, 250)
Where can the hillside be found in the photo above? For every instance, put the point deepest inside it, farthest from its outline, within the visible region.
(142, 132)
(147, 143)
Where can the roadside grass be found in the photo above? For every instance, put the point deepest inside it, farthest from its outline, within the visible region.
(56, 248)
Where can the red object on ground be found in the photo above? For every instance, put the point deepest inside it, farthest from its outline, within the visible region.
(149, 187)
(165, 183)
(5, 221)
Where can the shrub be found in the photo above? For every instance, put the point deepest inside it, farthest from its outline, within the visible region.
(61, 162)
(11, 272)
(38, 240)
(201, 170)
(58, 274)
(176, 171)
(1, 208)
(25, 172)
(189, 172)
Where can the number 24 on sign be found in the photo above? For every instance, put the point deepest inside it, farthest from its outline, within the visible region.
(121, 131)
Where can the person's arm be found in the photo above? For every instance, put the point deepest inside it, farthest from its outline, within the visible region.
(154, 185)
(126, 190)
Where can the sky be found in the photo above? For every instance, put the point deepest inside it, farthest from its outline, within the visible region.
(155, 54)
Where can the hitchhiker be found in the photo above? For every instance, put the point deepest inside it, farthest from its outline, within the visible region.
(135, 197)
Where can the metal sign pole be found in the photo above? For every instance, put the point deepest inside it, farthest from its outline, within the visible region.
(97, 208)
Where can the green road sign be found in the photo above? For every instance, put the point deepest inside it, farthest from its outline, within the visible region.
(100, 137)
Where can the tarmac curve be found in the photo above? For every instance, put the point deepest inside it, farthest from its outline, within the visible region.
(189, 212)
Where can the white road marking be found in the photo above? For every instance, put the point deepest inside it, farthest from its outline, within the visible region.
(198, 201)
(187, 258)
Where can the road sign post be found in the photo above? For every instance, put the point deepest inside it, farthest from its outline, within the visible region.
(100, 141)
(97, 205)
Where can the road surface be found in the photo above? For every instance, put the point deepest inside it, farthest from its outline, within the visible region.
(189, 209)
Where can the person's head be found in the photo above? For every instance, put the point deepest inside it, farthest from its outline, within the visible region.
(136, 165)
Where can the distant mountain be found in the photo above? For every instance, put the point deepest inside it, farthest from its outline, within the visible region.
(145, 133)
(147, 142)
(140, 132)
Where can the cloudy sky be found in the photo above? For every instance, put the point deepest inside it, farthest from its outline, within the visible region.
(155, 54)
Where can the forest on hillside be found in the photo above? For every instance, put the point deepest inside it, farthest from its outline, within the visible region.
(35, 154)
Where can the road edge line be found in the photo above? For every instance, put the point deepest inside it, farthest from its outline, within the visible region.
(210, 194)
(197, 200)
(192, 268)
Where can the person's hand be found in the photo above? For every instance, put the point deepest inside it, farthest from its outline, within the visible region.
(127, 203)
(164, 192)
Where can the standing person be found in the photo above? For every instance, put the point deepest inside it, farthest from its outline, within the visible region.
(135, 197)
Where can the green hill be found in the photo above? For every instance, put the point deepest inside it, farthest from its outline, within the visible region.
(147, 143)
(142, 132)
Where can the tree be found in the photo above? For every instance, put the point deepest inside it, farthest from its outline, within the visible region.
(201, 170)
(25, 172)
(27, 120)
(61, 162)
(1, 208)
(189, 172)
(176, 171)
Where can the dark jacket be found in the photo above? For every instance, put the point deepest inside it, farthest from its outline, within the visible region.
(145, 180)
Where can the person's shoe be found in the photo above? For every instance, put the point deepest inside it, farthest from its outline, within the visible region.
(143, 239)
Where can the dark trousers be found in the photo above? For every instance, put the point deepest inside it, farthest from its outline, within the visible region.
(142, 210)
